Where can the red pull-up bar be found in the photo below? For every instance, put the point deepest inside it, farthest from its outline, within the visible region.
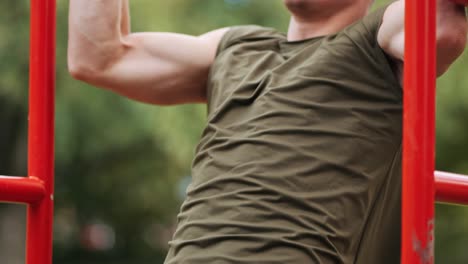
(418, 190)
(37, 189)
(420, 187)
(21, 190)
(451, 188)
(41, 128)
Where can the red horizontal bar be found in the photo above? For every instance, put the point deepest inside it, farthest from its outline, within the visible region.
(451, 188)
(28, 190)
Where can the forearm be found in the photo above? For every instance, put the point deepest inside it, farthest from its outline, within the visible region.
(95, 31)
(125, 24)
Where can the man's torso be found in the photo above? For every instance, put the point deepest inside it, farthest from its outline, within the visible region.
(299, 162)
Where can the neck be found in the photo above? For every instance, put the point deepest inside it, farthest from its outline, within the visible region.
(321, 25)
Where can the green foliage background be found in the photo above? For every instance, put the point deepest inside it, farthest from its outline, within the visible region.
(124, 164)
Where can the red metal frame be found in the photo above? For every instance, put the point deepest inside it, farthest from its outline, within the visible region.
(451, 188)
(21, 190)
(418, 191)
(41, 128)
(420, 185)
(37, 189)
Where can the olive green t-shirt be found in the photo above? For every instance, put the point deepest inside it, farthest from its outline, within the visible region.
(300, 160)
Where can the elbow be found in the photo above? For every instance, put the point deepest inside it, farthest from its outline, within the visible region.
(453, 39)
(81, 66)
(451, 43)
(89, 64)
(80, 60)
(79, 71)
(452, 32)
(83, 69)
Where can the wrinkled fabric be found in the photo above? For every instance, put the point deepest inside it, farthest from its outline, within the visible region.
(300, 161)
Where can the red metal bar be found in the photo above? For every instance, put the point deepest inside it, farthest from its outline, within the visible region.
(419, 133)
(21, 190)
(41, 128)
(451, 188)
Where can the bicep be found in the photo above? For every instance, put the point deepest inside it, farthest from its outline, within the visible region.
(163, 68)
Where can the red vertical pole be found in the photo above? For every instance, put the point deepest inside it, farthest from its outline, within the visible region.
(41, 128)
(419, 133)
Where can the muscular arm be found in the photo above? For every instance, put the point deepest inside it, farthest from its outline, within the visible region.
(451, 32)
(157, 68)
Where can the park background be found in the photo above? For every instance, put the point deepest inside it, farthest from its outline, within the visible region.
(122, 167)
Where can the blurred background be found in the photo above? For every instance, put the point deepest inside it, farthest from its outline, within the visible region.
(122, 167)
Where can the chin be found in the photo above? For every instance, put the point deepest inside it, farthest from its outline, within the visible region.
(311, 5)
(298, 3)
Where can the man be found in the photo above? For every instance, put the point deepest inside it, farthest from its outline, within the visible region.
(300, 159)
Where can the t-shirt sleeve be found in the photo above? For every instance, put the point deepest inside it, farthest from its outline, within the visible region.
(364, 35)
(373, 21)
(365, 31)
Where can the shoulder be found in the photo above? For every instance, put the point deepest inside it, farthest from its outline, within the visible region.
(361, 42)
(370, 25)
(247, 33)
